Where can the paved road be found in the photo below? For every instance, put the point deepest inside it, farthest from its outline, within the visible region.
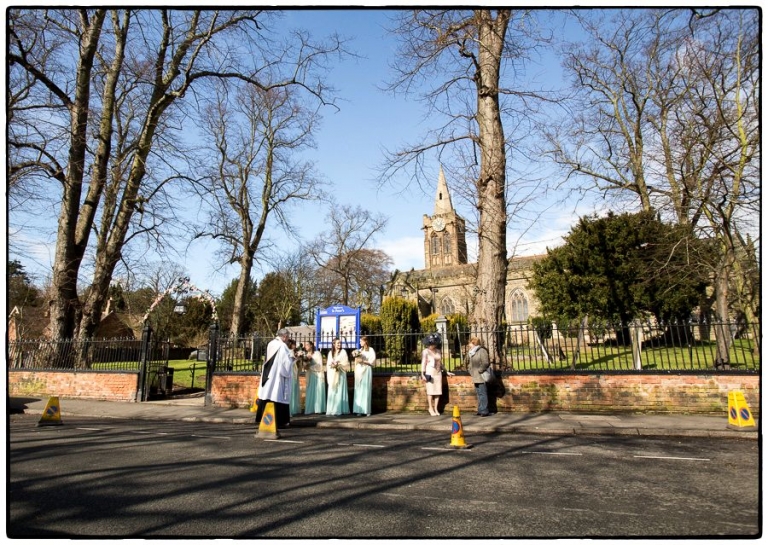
(121, 478)
(547, 423)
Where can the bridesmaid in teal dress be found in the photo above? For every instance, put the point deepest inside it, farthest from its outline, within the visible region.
(365, 359)
(336, 369)
(315, 397)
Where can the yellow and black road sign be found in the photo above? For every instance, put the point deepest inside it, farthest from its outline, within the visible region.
(739, 414)
(268, 424)
(51, 414)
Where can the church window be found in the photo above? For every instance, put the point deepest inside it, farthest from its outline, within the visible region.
(447, 244)
(518, 306)
(435, 245)
(447, 306)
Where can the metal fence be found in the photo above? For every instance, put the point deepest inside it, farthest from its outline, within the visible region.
(524, 348)
(651, 347)
(116, 354)
(639, 346)
(95, 354)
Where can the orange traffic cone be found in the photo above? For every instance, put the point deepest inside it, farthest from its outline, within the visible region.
(457, 430)
(268, 424)
(51, 414)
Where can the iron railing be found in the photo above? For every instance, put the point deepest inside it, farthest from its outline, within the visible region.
(649, 347)
(119, 354)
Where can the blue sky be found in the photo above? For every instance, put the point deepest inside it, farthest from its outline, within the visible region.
(350, 147)
(351, 143)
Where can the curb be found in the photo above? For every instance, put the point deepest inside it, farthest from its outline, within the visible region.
(362, 424)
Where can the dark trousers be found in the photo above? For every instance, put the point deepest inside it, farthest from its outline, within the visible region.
(282, 413)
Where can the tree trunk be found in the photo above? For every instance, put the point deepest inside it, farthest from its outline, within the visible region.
(238, 312)
(722, 334)
(112, 236)
(65, 305)
(488, 312)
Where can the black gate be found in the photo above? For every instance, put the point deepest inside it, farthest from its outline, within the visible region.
(156, 377)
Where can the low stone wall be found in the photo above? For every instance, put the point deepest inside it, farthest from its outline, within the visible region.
(97, 385)
(667, 393)
(594, 393)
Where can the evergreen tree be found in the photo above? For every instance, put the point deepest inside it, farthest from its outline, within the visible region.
(276, 303)
(399, 318)
(21, 292)
(226, 304)
(618, 267)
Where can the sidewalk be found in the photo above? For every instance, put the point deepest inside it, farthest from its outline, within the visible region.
(553, 423)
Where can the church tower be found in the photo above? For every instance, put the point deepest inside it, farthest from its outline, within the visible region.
(445, 243)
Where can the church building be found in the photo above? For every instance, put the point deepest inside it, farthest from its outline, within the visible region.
(446, 284)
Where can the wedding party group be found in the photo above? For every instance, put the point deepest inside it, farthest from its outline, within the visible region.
(327, 389)
(326, 381)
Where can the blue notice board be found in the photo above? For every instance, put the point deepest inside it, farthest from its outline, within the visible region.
(338, 321)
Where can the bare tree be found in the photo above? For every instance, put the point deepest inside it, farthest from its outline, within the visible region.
(723, 81)
(369, 272)
(93, 95)
(256, 137)
(466, 52)
(669, 114)
(306, 278)
(344, 252)
(152, 281)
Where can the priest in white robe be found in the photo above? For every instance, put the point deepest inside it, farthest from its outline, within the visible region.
(276, 380)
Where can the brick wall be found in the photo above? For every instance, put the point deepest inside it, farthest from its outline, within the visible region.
(702, 394)
(111, 386)
(667, 393)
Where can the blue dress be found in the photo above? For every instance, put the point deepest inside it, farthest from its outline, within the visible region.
(361, 403)
(315, 397)
(338, 398)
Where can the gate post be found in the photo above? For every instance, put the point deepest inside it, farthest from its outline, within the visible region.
(441, 324)
(142, 392)
(213, 351)
(636, 335)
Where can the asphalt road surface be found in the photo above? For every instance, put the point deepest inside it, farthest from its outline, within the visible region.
(119, 478)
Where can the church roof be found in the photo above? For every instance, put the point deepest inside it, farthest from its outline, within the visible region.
(516, 263)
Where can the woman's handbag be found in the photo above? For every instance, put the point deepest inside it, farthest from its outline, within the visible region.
(488, 375)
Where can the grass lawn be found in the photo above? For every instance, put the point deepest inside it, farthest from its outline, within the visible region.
(701, 356)
(188, 373)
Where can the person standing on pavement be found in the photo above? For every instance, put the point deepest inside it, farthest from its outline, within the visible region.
(276, 376)
(478, 362)
(337, 366)
(295, 405)
(432, 372)
(314, 402)
(365, 359)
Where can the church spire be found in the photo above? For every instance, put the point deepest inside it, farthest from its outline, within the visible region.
(442, 197)
(445, 243)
